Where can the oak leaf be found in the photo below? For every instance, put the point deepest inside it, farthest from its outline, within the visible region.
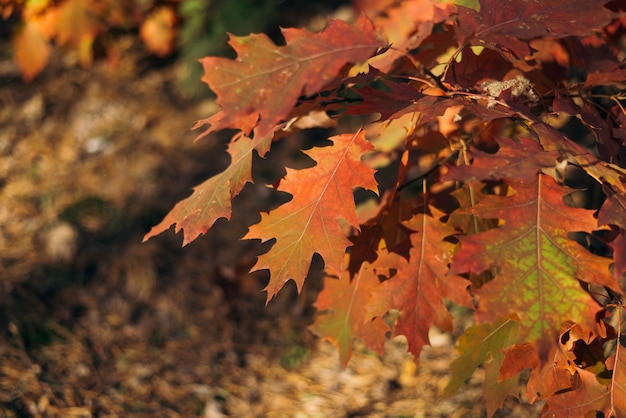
(310, 223)
(396, 100)
(538, 264)
(342, 316)
(421, 283)
(476, 345)
(266, 80)
(617, 387)
(211, 200)
(508, 24)
(406, 25)
(571, 152)
(588, 395)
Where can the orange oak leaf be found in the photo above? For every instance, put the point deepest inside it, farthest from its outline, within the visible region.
(341, 312)
(421, 283)
(588, 395)
(211, 200)
(517, 358)
(538, 264)
(266, 80)
(310, 223)
(613, 211)
(549, 378)
(586, 392)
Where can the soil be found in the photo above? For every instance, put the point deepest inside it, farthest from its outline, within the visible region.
(93, 322)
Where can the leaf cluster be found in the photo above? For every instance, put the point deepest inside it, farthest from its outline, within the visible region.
(492, 143)
(79, 25)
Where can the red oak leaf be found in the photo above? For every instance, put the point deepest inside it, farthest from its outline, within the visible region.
(520, 159)
(549, 377)
(517, 358)
(420, 284)
(508, 24)
(401, 99)
(266, 80)
(310, 223)
(570, 151)
(406, 26)
(212, 199)
(538, 264)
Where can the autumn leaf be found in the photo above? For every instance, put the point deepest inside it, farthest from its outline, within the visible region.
(506, 25)
(517, 357)
(266, 80)
(158, 31)
(585, 392)
(476, 345)
(549, 377)
(520, 158)
(406, 26)
(496, 388)
(569, 151)
(613, 212)
(212, 199)
(31, 49)
(475, 68)
(538, 264)
(394, 100)
(589, 395)
(421, 283)
(310, 223)
(76, 23)
(342, 315)
(617, 387)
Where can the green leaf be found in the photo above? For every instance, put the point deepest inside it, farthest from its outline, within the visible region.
(477, 345)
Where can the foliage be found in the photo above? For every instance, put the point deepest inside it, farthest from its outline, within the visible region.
(187, 29)
(78, 24)
(478, 127)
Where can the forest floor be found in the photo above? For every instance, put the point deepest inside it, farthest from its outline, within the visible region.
(93, 322)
